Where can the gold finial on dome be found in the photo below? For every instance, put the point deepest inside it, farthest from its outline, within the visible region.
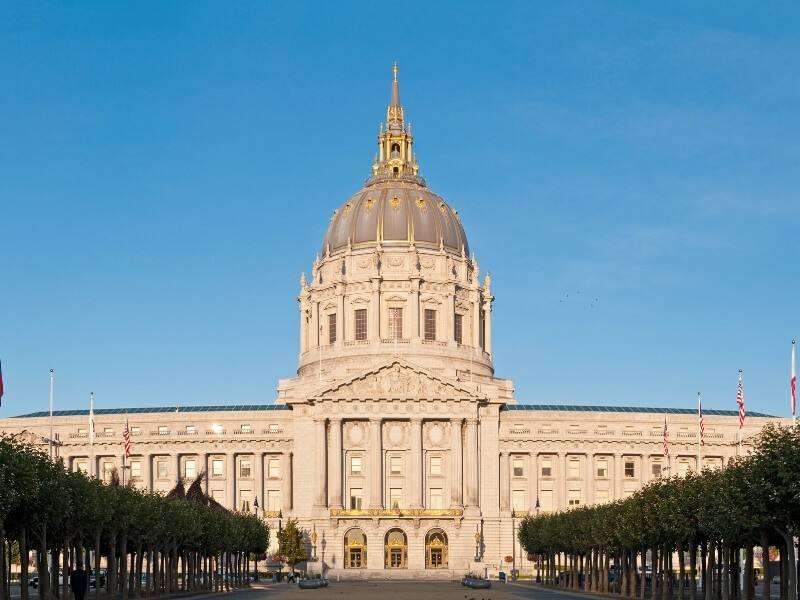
(395, 71)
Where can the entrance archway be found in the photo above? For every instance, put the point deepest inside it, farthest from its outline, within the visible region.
(436, 549)
(395, 550)
(355, 549)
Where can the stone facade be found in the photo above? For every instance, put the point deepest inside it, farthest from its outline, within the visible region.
(396, 448)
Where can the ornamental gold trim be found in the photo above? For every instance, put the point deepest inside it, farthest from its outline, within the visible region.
(396, 512)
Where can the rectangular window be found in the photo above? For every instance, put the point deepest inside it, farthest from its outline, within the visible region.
(273, 465)
(161, 469)
(355, 465)
(81, 431)
(546, 497)
(246, 500)
(683, 468)
(430, 324)
(82, 466)
(216, 467)
(218, 495)
(518, 500)
(547, 467)
(395, 465)
(630, 469)
(602, 468)
(458, 330)
(245, 466)
(574, 498)
(246, 429)
(136, 469)
(395, 497)
(361, 324)
(519, 470)
(136, 431)
(356, 497)
(436, 498)
(107, 468)
(600, 496)
(273, 500)
(108, 431)
(190, 468)
(574, 468)
(436, 465)
(395, 323)
(655, 469)
(190, 430)
(273, 427)
(162, 430)
(332, 328)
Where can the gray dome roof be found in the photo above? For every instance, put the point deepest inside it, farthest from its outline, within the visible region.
(395, 213)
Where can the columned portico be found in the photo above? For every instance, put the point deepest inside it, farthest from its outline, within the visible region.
(335, 468)
(416, 463)
(472, 463)
(456, 492)
(320, 461)
(375, 464)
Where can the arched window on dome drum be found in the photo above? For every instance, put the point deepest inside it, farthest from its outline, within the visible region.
(360, 333)
(395, 323)
(458, 329)
(430, 325)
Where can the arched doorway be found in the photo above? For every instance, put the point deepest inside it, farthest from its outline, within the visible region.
(355, 549)
(395, 549)
(436, 549)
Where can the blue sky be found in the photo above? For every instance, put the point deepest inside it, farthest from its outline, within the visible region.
(626, 171)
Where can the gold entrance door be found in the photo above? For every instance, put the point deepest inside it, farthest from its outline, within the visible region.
(436, 549)
(396, 550)
(355, 549)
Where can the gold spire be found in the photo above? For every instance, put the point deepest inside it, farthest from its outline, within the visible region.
(395, 159)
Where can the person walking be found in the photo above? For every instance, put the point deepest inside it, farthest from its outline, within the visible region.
(79, 581)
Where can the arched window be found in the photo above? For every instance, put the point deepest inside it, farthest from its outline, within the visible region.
(355, 549)
(436, 549)
(396, 549)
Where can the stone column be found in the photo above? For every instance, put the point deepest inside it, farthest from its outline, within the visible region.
(415, 317)
(471, 463)
(487, 326)
(287, 482)
(314, 340)
(375, 464)
(374, 332)
(232, 475)
(259, 481)
(504, 481)
(475, 325)
(416, 475)
(340, 316)
(206, 467)
(590, 467)
(303, 325)
(176, 467)
(619, 475)
(335, 468)
(147, 471)
(456, 493)
(560, 500)
(320, 493)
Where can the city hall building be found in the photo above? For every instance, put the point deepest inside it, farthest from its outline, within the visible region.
(396, 447)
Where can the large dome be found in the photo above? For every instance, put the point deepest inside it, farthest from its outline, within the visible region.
(395, 207)
(395, 213)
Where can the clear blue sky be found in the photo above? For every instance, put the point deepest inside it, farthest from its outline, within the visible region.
(168, 169)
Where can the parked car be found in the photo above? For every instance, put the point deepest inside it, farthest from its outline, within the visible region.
(776, 579)
(33, 580)
(92, 578)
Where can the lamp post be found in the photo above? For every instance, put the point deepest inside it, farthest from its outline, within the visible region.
(513, 545)
(538, 558)
(255, 512)
(477, 543)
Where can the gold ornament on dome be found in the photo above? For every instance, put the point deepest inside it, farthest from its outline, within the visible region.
(348, 207)
(395, 202)
(369, 204)
(443, 207)
(423, 206)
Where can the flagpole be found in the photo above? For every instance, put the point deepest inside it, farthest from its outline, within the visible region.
(91, 435)
(793, 387)
(699, 434)
(740, 402)
(50, 437)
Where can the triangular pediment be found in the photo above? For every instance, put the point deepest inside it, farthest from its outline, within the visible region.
(398, 378)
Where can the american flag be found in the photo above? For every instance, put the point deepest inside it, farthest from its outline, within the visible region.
(792, 385)
(1, 382)
(666, 439)
(740, 401)
(126, 435)
(702, 426)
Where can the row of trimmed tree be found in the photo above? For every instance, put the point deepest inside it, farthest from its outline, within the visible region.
(150, 543)
(716, 519)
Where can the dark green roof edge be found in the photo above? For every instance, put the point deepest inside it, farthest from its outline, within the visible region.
(156, 409)
(634, 409)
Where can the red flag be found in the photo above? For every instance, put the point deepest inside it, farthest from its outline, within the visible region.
(740, 401)
(126, 435)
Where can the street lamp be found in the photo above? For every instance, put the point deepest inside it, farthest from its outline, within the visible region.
(513, 545)
(255, 511)
(539, 558)
(477, 543)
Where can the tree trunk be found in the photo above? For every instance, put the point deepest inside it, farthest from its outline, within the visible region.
(726, 580)
(654, 573)
(708, 578)
(692, 571)
(765, 563)
(681, 572)
(23, 563)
